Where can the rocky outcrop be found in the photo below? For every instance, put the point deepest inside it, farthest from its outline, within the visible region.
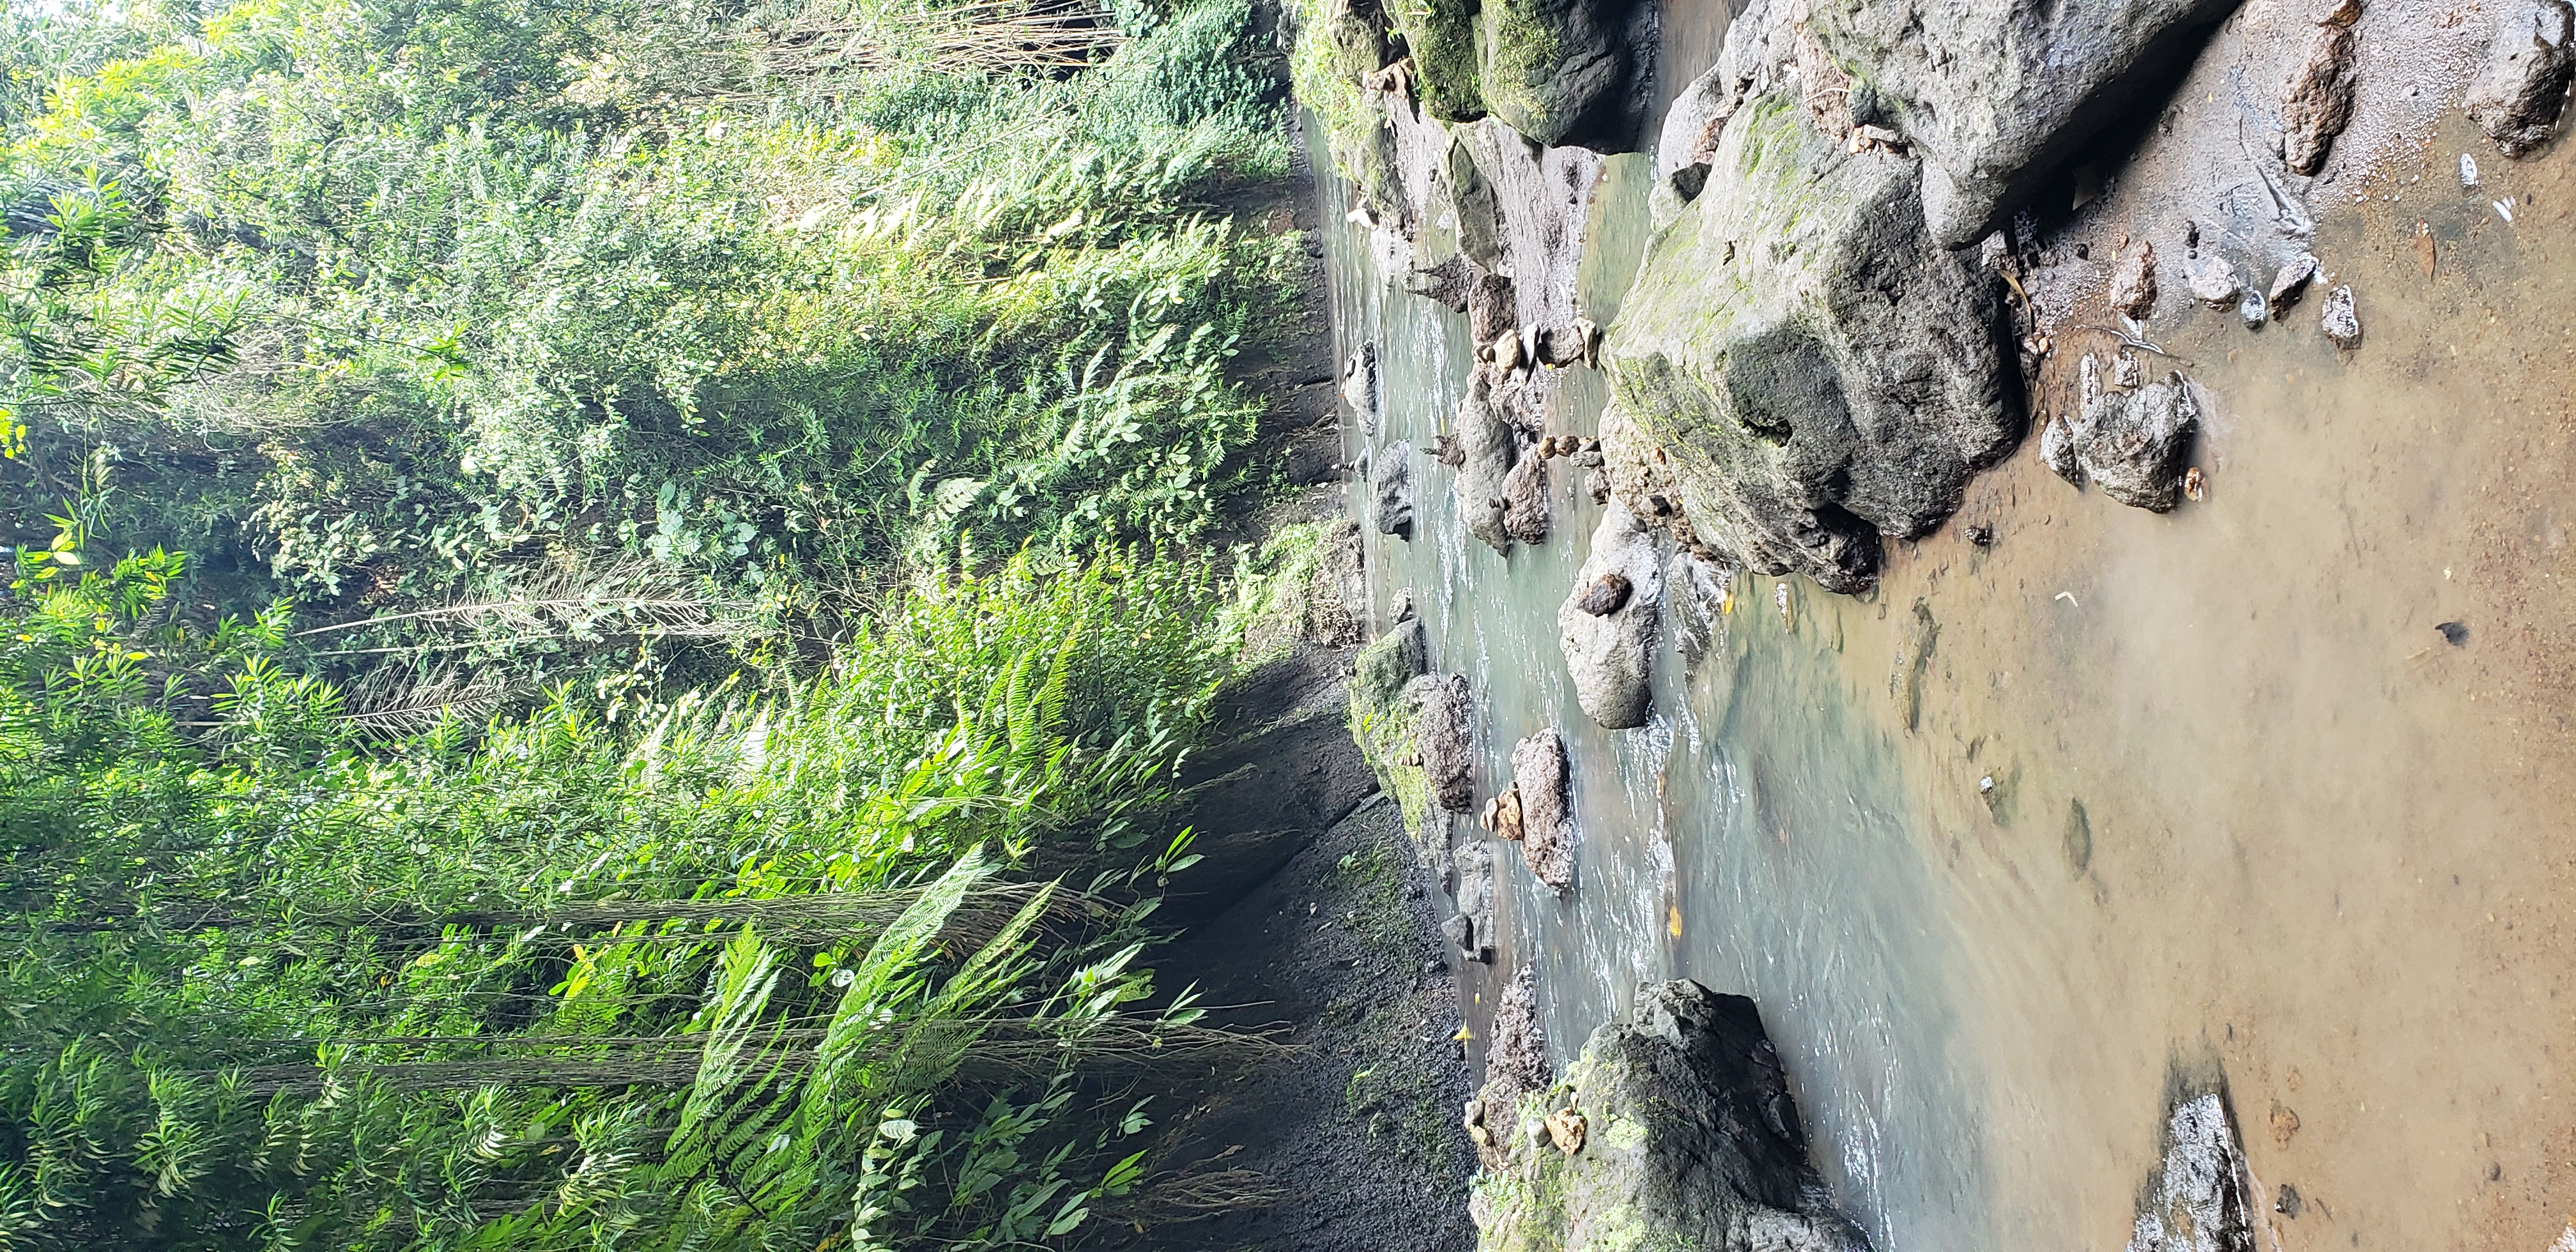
(1818, 369)
(2134, 442)
(1997, 94)
(1444, 734)
(1391, 485)
(1608, 654)
(2202, 1198)
(1487, 448)
(1673, 1130)
(2517, 99)
(1539, 775)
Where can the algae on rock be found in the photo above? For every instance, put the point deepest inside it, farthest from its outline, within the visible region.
(1692, 1144)
(1817, 369)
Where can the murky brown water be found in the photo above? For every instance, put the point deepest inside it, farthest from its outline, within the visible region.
(2251, 812)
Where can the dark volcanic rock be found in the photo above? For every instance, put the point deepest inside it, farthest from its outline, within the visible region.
(1444, 732)
(1607, 655)
(1486, 448)
(2136, 443)
(1567, 72)
(1474, 889)
(2516, 101)
(1490, 307)
(1391, 483)
(1817, 368)
(1996, 94)
(1451, 282)
(1694, 1143)
(1515, 1066)
(1547, 820)
(2316, 104)
(2202, 1199)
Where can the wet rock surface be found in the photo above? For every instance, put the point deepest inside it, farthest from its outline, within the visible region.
(1516, 1066)
(1486, 448)
(2008, 90)
(2202, 1198)
(1818, 369)
(1608, 655)
(1525, 500)
(1547, 818)
(1444, 733)
(1359, 386)
(2517, 100)
(1691, 1141)
(1391, 489)
(2135, 443)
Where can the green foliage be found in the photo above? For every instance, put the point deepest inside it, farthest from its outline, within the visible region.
(390, 304)
(740, 970)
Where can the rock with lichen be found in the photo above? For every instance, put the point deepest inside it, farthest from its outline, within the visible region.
(1688, 1140)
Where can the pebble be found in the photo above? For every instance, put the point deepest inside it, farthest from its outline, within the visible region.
(2468, 172)
(2341, 323)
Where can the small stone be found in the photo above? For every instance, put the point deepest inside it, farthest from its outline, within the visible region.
(2214, 283)
(2291, 280)
(2285, 1123)
(2133, 282)
(2468, 172)
(2291, 1203)
(2316, 104)
(2195, 485)
(1460, 931)
(2253, 309)
(1981, 536)
(1596, 484)
(2454, 633)
(2125, 374)
(1565, 1129)
(1605, 596)
(2341, 323)
(2057, 449)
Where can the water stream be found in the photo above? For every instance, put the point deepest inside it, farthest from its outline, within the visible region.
(2005, 845)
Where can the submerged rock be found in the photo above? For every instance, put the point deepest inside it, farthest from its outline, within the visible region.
(1472, 928)
(2135, 443)
(1996, 94)
(1816, 367)
(2517, 98)
(1444, 734)
(2337, 318)
(1692, 1142)
(1607, 655)
(1391, 483)
(2316, 104)
(1359, 386)
(1547, 825)
(2202, 1198)
(1486, 447)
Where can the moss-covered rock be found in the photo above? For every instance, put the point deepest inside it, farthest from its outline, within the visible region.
(1562, 72)
(1440, 35)
(1818, 370)
(1382, 720)
(1684, 1140)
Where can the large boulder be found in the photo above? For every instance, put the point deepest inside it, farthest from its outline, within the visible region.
(1674, 1130)
(1997, 94)
(1608, 653)
(1525, 514)
(1539, 774)
(1817, 368)
(1560, 72)
(1487, 447)
(1567, 72)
